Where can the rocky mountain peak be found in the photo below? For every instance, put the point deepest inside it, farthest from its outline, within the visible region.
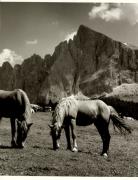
(91, 63)
(7, 66)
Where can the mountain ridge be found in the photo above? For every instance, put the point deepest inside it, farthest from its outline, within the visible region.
(92, 63)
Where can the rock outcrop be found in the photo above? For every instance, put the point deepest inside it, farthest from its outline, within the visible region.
(6, 76)
(91, 63)
(124, 99)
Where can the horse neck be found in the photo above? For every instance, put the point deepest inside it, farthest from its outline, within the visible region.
(27, 107)
(63, 109)
(59, 116)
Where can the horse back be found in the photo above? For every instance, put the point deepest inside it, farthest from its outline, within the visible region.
(11, 103)
(91, 110)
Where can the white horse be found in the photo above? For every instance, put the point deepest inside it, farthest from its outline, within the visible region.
(71, 111)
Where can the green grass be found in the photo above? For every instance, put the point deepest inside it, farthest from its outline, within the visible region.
(38, 158)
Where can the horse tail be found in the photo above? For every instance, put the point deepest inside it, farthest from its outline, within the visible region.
(119, 122)
(26, 106)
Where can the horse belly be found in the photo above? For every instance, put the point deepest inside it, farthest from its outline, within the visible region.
(9, 110)
(84, 120)
(7, 113)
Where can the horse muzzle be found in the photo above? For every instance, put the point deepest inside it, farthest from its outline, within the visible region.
(55, 145)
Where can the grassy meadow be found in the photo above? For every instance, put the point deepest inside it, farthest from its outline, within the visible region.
(38, 158)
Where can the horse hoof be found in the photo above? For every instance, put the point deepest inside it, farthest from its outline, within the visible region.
(56, 148)
(69, 149)
(13, 144)
(20, 145)
(105, 155)
(74, 149)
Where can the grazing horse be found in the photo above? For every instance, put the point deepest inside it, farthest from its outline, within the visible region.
(16, 106)
(71, 111)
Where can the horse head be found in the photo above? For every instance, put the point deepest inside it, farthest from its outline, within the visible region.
(22, 131)
(55, 134)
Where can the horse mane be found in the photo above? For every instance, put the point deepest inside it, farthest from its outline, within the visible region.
(26, 104)
(62, 109)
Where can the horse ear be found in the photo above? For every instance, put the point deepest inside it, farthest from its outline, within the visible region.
(29, 125)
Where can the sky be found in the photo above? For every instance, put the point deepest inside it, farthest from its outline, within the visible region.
(28, 28)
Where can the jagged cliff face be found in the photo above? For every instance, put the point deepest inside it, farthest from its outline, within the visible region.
(29, 76)
(6, 76)
(61, 76)
(92, 63)
(106, 63)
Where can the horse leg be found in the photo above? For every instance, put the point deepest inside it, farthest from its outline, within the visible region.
(73, 130)
(102, 127)
(67, 133)
(13, 132)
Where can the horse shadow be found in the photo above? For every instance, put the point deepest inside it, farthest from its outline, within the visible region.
(5, 147)
(8, 147)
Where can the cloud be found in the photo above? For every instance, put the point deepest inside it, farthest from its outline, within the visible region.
(10, 56)
(115, 12)
(70, 35)
(32, 42)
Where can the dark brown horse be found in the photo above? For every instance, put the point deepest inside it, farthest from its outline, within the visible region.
(16, 106)
(71, 111)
